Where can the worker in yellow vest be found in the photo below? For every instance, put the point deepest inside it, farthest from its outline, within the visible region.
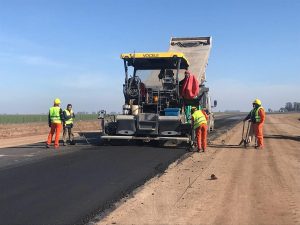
(257, 117)
(68, 125)
(55, 119)
(199, 123)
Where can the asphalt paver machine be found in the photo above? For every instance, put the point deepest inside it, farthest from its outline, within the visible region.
(153, 108)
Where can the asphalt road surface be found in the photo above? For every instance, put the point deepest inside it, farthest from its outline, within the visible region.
(71, 186)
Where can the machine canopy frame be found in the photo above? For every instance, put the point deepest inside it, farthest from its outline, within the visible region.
(155, 60)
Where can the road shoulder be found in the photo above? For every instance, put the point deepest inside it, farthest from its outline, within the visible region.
(253, 186)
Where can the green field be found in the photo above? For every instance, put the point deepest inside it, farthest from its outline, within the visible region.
(9, 119)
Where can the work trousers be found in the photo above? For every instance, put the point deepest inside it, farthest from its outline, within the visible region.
(55, 128)
(258, 132)
(68, 130)
(201, 135)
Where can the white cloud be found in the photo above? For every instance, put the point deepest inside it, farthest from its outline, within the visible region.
(17, 43)
(96, 81)
(91, 92)
(40, 61)
(87, 92)
(31, 60)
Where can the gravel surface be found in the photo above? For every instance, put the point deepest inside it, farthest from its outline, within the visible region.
(252, 186)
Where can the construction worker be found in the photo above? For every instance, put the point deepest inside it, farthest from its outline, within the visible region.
(182, 82)
(257, 118)
(199, 123)
(189, 86)
(68, 124)
(55, 119)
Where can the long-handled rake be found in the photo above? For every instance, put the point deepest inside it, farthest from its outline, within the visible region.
(242, 141)
(245, 135)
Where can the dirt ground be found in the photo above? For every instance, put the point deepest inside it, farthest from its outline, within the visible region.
(20, 134)
(252, 186)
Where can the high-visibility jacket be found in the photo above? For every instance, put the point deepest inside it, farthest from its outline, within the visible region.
(55, 114)
(198, 118)
(69, 116)
(256, 117)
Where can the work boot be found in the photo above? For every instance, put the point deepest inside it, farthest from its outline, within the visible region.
(47, 146)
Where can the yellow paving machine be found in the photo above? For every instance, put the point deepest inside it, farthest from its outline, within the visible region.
(154, 109)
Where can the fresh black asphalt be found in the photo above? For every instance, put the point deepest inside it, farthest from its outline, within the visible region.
(44, 186)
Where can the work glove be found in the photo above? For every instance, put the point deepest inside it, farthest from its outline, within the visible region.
(49, 124)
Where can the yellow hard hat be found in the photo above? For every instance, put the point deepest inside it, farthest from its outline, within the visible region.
(257, 101)
(57, 101)
(194, 108)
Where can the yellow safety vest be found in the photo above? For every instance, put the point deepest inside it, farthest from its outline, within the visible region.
(54, 113)
(69, 121)
(255, 116)
(199, 119)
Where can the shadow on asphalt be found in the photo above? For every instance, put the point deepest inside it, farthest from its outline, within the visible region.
(30, 146)
(227, 146)
(284, 137)
(85, 138)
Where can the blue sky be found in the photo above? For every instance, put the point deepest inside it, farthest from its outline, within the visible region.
(70, 49)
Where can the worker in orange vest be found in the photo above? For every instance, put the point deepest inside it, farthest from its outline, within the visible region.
(199, 123)
(55, 120)
(257, 117)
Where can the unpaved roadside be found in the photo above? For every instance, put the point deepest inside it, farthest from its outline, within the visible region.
(253, 186)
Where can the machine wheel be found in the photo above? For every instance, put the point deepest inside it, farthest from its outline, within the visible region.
(111, 128)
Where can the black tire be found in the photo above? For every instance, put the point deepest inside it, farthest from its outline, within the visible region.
(111, 128)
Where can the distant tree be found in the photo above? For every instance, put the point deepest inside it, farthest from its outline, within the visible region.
(289, 106)
(296, 106)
